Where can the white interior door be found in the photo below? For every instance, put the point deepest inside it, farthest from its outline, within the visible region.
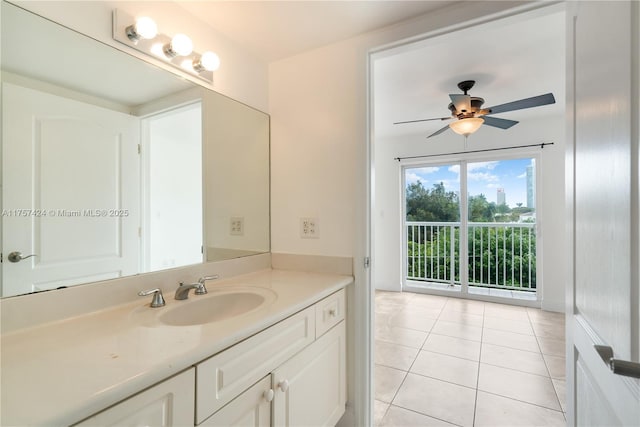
(71, 191)
(603, 100)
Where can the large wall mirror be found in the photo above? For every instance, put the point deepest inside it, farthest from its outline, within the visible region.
(113, 167)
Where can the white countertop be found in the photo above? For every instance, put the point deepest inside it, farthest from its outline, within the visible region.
(63, 372)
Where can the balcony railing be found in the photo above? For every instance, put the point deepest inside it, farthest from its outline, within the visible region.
(499, 255)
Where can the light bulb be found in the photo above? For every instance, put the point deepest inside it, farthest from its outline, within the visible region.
(181, 45)
(144, 28)
(466, 126)
(208, 61)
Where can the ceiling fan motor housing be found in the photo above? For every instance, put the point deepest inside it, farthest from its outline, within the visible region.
(476, 106)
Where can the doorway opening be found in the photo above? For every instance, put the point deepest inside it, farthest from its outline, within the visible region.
(172, 223)
(458, 291)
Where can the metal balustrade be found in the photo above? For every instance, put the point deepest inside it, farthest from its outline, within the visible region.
(499, 255)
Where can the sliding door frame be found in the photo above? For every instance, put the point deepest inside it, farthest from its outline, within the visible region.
(463, 161)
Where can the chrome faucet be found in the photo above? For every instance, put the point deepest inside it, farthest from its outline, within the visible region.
(200, 289)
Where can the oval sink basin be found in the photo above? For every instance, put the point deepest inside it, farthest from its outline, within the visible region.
(218, 305)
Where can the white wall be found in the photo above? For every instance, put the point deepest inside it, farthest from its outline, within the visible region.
(318, 107)
(241, 76)
(387, 273)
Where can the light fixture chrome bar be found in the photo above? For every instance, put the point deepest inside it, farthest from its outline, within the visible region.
(155, 48)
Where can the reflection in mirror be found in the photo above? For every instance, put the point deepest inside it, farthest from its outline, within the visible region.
(113, 167)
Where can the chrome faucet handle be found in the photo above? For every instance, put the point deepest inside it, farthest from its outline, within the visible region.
(202, 289)
(158, 299)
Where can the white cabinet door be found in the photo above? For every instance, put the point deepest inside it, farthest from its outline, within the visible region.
(603, 194)
(251, 409)
(71, 191)
(168, 404)
(310, 388)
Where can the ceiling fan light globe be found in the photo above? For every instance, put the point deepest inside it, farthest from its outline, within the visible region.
(466, 126)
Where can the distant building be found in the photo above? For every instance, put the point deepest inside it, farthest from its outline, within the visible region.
(531, 184)
(502, 197)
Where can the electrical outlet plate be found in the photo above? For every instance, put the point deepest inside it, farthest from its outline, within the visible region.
(309, 228)
(236, 226)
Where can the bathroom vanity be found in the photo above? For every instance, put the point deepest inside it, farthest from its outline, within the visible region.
(278, 362)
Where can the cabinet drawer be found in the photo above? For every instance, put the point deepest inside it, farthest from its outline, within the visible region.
(329, 312)
(167, 404)
(227, 374)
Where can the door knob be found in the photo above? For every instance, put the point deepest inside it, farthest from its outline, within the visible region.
(17, 256)
(621, 367)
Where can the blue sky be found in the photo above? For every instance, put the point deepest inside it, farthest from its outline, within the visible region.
(483, 178)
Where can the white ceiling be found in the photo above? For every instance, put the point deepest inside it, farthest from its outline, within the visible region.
(511, 59)
(273, 30)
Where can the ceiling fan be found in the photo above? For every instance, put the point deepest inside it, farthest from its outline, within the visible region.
(469, 114)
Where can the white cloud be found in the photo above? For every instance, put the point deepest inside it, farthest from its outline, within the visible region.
(483, 176)
(482, 165)
(425, 170)
(454, 169)
(411, 178)
(522, 175)
(419, 174)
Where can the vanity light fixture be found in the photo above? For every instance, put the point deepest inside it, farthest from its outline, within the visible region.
(178, 51)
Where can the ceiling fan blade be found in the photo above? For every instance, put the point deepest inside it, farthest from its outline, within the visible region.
(461, 102)
(438, 132)
(499, 123)
(422, 120)
(534, 101)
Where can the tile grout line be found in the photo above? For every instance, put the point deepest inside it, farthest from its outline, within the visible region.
(475, 403)
(406, 373)
(425, 415)
(555, 390)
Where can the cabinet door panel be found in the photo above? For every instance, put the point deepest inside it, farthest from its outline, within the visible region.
(168, 404)
(250, 409)
(227, 374)
(310, 388)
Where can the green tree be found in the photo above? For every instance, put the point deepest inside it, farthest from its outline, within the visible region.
(481, 210)
(431, 205)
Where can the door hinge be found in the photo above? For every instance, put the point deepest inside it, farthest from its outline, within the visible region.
(139, 149)
(367, 262)
(139, 231)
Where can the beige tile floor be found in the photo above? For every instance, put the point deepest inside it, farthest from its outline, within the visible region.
(447, 361)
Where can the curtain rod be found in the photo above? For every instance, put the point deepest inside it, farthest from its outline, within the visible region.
(542, 145)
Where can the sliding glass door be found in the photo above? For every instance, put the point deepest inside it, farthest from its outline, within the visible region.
(491, 250)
